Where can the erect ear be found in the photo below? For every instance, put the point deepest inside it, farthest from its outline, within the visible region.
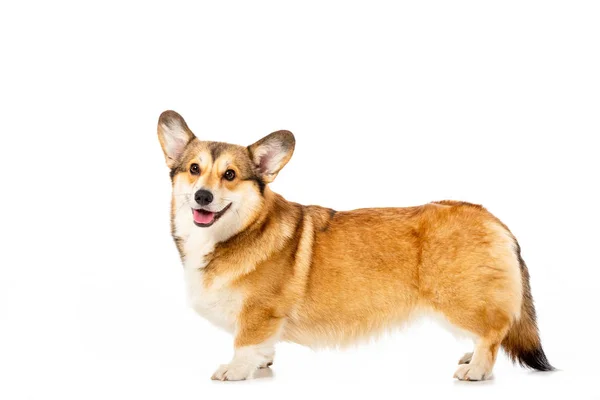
(271, 153)
(174, 135)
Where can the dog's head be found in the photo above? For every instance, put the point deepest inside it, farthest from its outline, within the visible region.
(218, 186)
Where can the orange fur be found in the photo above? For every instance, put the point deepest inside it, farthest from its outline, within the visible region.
(370, 269)
(318, 277)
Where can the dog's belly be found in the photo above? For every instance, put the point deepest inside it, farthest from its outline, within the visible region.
(344, 327)
(216, 303)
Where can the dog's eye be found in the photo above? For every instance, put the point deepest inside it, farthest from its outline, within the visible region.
(229, 175)
(195, 169)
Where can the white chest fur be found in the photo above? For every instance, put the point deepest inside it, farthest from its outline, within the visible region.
(215, 302)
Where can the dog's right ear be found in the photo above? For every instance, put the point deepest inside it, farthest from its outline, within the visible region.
(174, 135)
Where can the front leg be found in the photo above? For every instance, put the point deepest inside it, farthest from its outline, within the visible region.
(270, 358)
(257, 333)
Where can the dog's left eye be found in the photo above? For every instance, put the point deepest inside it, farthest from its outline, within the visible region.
(229, 175)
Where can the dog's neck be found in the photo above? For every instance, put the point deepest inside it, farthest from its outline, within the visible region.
(270, 230)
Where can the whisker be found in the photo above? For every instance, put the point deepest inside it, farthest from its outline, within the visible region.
(180, 207)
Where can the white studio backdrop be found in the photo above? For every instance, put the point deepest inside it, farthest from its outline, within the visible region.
(392, 104)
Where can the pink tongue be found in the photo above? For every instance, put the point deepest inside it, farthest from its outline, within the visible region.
(203, 217)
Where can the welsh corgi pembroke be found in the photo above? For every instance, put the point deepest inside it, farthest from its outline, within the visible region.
(267, 269)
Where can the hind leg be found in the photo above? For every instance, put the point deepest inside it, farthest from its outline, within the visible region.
(489, 324)
(479, 366)
(490, 330)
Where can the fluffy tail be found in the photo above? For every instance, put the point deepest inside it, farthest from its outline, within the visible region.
(522, 343)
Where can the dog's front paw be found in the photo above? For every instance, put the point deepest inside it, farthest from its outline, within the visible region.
(466, 359)
(233, 372)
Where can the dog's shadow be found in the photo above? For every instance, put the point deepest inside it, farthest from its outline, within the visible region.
(264, 373)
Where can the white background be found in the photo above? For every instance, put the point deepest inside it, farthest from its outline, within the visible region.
(392, 104)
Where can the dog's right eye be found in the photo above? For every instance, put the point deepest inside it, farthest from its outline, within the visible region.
(195, 169)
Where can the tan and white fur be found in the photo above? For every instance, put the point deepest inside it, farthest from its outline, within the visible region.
(268, 270)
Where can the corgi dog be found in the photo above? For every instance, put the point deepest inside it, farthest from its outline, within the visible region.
(266, 269)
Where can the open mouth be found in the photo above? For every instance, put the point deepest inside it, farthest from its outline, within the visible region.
(205, 218)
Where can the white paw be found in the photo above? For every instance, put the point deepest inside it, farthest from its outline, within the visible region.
(466, 358)
(472, 372)
(234, 372)
(267, 361)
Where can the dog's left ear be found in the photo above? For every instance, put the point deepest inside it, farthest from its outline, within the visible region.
(271, 153)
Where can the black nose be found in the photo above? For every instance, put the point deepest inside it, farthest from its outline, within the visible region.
(203, 197)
